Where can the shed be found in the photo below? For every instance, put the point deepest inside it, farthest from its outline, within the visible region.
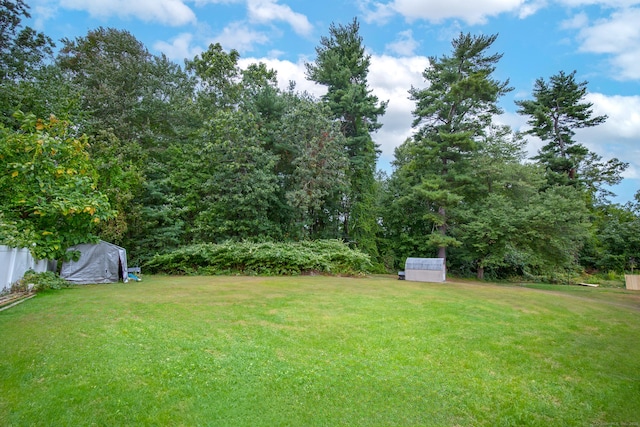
(425, 269)
(101, 262)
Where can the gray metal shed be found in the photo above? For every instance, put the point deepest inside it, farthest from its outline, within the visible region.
(425, 269)
(99, 263)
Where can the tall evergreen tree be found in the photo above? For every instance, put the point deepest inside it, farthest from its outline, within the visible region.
(342, 65)
(556, 112)
(451, 113)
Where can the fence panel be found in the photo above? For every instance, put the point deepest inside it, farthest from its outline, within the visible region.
(632, 281)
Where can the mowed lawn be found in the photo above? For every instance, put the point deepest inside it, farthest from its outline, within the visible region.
(320, 351)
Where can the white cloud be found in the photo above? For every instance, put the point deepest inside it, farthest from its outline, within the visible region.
(42, 13)
(612, 35)
(623, 113)
(472, 12)
(169, 12)
(391, 74)
(266, 11)
(603, 3)
(239, 36)
(380, 12)
(619, 135)
(288, 71)
(179, 49)
(390, 79)
(619, 36)
(404, 45)
(578, 21)
(530, 8)
(204, 2)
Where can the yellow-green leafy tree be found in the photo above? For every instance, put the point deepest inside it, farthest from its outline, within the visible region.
(50, 200)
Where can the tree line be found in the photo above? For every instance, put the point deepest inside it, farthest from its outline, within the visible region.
(103, 138)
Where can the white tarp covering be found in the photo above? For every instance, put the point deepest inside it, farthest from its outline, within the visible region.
(99, 263)
(425, 269)
(14, 262)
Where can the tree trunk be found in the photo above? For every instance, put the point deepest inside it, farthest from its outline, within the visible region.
(480, 273)
(442, 250)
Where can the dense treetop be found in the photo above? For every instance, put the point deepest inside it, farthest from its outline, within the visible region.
(104, 139)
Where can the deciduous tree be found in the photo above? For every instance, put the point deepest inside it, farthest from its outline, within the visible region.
(489, 220)
(49, 188)
(23, 51)
(21, 48)
(136, 105)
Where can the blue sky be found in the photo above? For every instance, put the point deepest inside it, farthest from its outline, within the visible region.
(600, 39)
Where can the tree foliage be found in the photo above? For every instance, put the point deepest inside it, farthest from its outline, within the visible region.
(266, 258)
(135, 106)
(49, 185)
(318, 169)
(206, 159)
(556, 112)
(451, 113)
(240, 187)
(496, 203)
(22, 49)
(23, 52)
(342, 65)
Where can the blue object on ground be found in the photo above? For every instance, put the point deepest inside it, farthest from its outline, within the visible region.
(134, 277)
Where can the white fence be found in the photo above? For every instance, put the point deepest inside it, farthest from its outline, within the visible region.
(14, 262)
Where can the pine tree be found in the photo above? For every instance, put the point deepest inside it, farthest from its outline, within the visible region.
(342, 65)
(451, 113)
(557, 110)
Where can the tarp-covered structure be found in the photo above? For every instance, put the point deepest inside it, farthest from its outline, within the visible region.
(101, 262)
(14, 262)
(425, 269)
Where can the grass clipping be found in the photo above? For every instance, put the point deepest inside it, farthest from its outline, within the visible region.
(266, 258)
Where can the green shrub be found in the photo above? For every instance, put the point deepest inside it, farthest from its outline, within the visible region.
(265, 258)
(40, 282)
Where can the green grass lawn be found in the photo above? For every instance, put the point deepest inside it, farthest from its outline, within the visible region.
(265, 351)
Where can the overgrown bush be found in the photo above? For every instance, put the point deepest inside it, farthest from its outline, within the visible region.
(40, 282)
(267, 258)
